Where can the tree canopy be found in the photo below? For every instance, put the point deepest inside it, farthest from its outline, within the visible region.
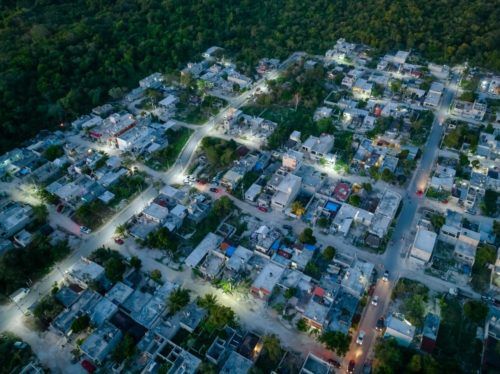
(60, 58)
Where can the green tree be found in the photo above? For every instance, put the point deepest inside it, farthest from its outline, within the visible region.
(329, 253)
(121, 230)
(323, 222)
(156, 275)
(302, 325)
(114, 269)
(297, 208)
(125, 349)
(135, 262)
(272, 347)
(336, 342)
(496, 228)
(40, 213)
(223, 206)
(52, 152)
(368, 187)
(489, 205)
(80, 323)
(306, 236)
(290, 292)
(438, 220)
(388, 357)
(476, 311)
(355, 200)
(177, 300)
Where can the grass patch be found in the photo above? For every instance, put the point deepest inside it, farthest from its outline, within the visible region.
(164, 158)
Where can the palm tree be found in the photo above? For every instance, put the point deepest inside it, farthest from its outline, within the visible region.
(208, 301)
(272, 346)
(121, 230)
(178, 300)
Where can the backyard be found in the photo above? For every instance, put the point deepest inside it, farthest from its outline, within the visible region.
(164, 158)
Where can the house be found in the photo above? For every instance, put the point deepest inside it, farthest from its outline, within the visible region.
(155, 213)
(211, 266)
(465, 253)
(286, 191)
(385, 213)
(434, 95)
(191, 316)
(86, 122)
(232, 177)
(316, 310)
(238, 259)
(292, 160)
(119, 293)
(236, 364)
(317, 148)
(210, 242)
(14, 217)
(154, 81)
(168, 102)
(101, 342)
(357, 278)
(423, 245)
(347, 215)
(475, 111)
(84, 272)
(263, 285)
(315, 365)
(322, 112)
(430, 333)
(212, 52)
(253, 191)
(77, 306)
(399, 329)
(23, 238)
(362, 88)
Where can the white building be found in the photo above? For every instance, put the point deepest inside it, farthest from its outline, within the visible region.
(286, 191)
(423, 245)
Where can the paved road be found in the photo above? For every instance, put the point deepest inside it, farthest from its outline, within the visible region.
(393, 259)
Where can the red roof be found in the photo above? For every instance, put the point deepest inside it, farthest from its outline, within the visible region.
(318, 291)
(341, 191)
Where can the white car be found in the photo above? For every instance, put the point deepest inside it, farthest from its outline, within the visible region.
(360, 338)
(85, 230)
(375, 300)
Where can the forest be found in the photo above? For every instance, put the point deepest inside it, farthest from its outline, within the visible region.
(59, 58)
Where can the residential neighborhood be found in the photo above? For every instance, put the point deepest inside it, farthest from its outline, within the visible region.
(308, 217)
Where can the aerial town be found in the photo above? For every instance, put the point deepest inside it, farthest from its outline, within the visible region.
(321, 214)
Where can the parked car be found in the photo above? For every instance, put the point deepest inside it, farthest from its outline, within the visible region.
(59, 208)
(334, 363)
(380, 324)
(385, 278)
(262, 208)
(213, 189)
(360, 338)
(375, 300)
(352, 365)
(87, 365)
(85, 230)
(288, 227)
(119, 241)
(420, 192)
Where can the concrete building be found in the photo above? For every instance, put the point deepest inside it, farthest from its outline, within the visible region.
(292, 160)
(400, 329)
(423, 245)
(155, 213)
(13, 218)
(210, 242)
(430, 333)
(465, 253)
(317, 148)
(236, 364)
(263, 285)
(286, 191)
(253, 191)
(468, 110)
(315, 365)
(357, 278)
(101, 342)
(84, 272)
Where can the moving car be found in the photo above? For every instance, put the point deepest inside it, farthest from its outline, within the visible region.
(352, 365)
(360, 338)
(85, 230)
(385, 278)
(420, 193)
(119, 241)
(375, 300)
(59, 208)
(380, 324)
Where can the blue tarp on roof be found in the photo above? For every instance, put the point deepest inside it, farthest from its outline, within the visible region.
(258, 166)
(332, 207)
(275, 245)
(310, 247)
(230, 251)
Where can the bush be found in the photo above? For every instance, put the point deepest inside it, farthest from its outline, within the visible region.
(476, 311)
(80, 323)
